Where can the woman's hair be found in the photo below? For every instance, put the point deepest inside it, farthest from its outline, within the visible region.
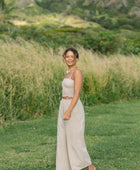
(75, 52)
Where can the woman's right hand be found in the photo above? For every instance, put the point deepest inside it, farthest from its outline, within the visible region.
(67, 115)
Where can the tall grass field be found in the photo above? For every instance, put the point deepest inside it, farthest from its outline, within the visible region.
(31, 77)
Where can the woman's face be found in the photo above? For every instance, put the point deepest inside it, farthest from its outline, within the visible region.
(70, 58)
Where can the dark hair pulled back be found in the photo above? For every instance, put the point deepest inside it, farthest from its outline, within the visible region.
(75, 52)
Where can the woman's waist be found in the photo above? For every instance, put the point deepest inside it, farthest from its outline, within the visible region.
(67, 97)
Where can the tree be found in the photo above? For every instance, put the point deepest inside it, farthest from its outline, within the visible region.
(2, 5)
(5, 9)
(53, 5)
(44, 4)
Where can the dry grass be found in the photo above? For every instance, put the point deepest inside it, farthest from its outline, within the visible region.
(31, 75)
(123, 69)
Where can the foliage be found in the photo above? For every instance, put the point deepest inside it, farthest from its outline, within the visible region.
(53, 6)
(103, 42)
(7, 8)
(107, 17)
(131, 46)
(2, 5)
(55, 35)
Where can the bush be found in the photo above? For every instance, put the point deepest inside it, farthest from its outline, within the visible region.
(131, 46)
(105, 42)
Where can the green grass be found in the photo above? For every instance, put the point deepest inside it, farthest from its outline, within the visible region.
(112, 136)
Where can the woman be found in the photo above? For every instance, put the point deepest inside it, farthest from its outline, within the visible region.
(71, 151)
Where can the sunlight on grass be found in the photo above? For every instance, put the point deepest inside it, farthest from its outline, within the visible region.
(76, 21)
(17, 22)
(57, 19)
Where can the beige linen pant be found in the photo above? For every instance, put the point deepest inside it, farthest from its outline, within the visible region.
(71, 153)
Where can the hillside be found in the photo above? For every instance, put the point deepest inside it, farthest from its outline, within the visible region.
(120, 6)
(110, 14)
(90, 23)
(117, 4)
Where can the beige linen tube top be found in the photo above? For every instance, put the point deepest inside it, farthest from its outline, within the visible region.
(68, 87)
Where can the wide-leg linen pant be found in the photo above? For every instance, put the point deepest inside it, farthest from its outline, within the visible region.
(71, 153)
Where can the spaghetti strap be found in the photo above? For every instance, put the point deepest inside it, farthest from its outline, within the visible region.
(73, 72)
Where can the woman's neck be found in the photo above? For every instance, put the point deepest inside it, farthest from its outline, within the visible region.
(72, 67)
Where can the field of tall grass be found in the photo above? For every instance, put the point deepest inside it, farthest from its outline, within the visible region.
(31, 77)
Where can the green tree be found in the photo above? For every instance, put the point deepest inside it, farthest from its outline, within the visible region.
(53, 5)
(44, 3)
(2, 5)
(5, 9)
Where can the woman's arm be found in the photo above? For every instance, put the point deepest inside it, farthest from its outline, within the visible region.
(78, 77)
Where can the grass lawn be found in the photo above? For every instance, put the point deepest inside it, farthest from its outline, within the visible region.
(112, 136)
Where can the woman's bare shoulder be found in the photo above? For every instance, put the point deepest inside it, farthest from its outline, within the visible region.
(78, 72)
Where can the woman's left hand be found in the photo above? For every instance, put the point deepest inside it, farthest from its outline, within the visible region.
(67, 115)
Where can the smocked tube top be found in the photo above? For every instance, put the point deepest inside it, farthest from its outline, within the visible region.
(68, 87)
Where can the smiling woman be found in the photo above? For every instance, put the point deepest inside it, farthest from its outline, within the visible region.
(70, 57)
(71, 151)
